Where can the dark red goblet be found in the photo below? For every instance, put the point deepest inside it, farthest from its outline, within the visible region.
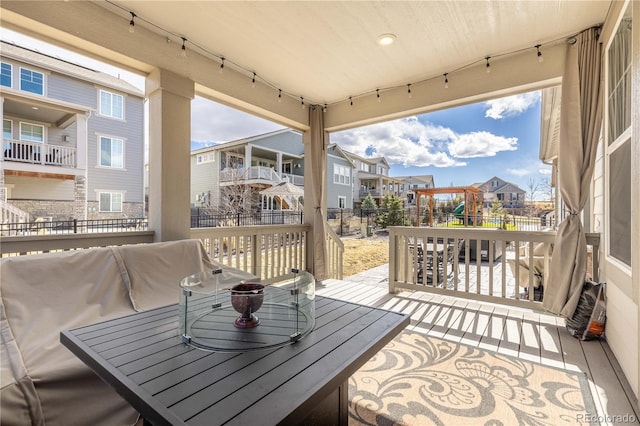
(246, 299)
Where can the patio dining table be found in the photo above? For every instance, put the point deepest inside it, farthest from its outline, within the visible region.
(169, 382)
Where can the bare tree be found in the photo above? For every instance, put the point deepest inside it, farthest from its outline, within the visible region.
(533, 187)
(548, 190)
(236, 196)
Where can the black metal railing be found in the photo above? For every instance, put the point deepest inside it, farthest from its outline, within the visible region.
(74, 226)
(205, 219)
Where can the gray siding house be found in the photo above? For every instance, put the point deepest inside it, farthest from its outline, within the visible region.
(496, 189)
(72, 140)
(371, 176)
(261, 162)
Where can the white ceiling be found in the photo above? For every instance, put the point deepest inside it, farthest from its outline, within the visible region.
(326, 51)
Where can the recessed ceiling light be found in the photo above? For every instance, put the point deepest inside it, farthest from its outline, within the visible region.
(34, 107)
(386, 39)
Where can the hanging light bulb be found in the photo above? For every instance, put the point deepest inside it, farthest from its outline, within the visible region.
(324, 109)
(351, 100)
(253, 80)
(184, 47)
(302, 102)
(488, 64)
(446, 80)
(540, 58)
(279, 95)
(132, 24)
(409, 91)
(221, 65)
(378, 95)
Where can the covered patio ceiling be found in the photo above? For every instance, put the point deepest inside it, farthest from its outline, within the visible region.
(325, 52)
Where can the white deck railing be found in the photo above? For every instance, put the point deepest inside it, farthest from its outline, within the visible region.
(268, 251)
(511, 267)
(39, 153)
(11, 214)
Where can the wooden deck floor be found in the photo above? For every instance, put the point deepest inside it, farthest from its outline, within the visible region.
(526, 334)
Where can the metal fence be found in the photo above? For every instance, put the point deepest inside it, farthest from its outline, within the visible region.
(349, 221)
(204, 219)
(74, 226)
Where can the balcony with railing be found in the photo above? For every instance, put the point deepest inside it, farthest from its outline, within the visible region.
(39, 153)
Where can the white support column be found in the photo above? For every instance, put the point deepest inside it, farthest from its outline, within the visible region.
(81, 182)
(279, 163)
(3, 189)
(247, 157)
(170, 98)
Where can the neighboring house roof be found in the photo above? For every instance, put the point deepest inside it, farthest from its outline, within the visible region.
(372, 160)
(342, 153)
(419, 179)
(503, 186)
(43, 60)
(243, 141)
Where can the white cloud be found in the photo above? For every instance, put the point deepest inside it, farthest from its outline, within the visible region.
(211, 121)
(410, 142)
(481, 144)
(511, 105)
(407, 141)
(518, 172)
(545, 171)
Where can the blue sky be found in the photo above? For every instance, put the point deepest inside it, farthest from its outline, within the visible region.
(458, 146)
(462, 145)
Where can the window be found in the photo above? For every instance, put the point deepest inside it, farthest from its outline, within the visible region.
(342, 202)
(7, 129)
(205, 158)
(364, 167)
(111, 152)
(111, 105)
(6, 79)
(618, 146)
(31, 132)
(31, 81)
(110, 201)
(341, 174)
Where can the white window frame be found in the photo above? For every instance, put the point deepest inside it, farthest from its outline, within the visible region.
(10, 75)
(111, 194)
(33, 72)
(110, 113)
(44, 134)
(342, 202)
(610, 147)
(341, 175)
(112, 138)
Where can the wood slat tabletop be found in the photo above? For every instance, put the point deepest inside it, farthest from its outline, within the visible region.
(170, 383)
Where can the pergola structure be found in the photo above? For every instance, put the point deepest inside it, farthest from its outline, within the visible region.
(472, 195)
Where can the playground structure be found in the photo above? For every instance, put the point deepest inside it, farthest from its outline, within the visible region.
(468, 211)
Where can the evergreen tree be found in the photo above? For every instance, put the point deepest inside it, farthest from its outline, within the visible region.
(393, 214)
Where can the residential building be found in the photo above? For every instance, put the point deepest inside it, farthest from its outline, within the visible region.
(414, 182)
(507, 193)
(72, 140)
(261, 162)
(371, 177)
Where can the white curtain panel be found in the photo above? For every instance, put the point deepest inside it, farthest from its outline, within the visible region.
(318, 182)
(580, 126)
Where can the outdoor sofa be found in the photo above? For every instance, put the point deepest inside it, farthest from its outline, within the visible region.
(42, 382)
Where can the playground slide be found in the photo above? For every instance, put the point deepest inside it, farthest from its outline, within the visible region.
(458, 213)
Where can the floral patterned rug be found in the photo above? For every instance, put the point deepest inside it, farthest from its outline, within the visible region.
(421, 380)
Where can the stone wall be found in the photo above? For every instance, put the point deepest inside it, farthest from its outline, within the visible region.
(65, 210)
